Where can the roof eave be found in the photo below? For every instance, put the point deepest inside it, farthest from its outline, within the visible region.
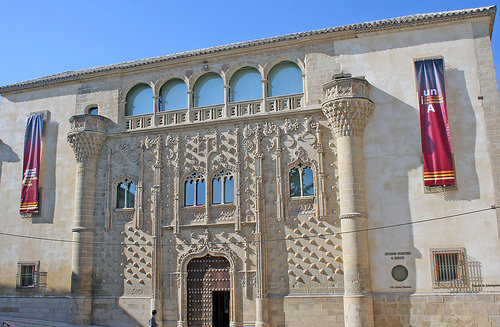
(374, 26)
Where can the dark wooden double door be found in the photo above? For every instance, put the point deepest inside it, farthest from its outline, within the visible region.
(208, 292)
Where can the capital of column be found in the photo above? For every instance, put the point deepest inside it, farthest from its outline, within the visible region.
(87, 136)
(347, 106)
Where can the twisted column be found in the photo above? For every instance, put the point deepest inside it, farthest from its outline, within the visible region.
(86, 138)
(347, 108)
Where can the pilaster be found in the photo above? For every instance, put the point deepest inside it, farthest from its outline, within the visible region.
(347, 108)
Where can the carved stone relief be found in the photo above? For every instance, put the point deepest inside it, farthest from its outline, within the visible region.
(137, 260)
(277, 145)
(123, 159)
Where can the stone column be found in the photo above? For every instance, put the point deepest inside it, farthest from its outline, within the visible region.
(347, 108)
(156, 109)
(261, 309)
(156, 196)
(265, 83)
(189, 113)
(86, 138)
(227, 99)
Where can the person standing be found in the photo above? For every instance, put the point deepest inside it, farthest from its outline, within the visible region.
(152, 321)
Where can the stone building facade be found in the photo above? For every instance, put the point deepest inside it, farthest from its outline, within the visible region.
(289, 209)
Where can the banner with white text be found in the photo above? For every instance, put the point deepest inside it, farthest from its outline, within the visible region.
(435, 132)
(31, 164)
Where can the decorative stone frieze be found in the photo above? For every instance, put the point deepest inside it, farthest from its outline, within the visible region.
(347, 106)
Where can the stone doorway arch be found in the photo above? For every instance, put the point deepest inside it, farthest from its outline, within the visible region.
(204, 257)
(208, 292)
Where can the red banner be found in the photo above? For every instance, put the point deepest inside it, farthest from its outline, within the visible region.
(435, 132)
(31, 164)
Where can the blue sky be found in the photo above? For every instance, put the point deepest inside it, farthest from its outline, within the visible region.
(41, 38)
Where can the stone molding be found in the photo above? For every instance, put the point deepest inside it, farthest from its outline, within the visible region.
(353, 215)
(380, 25)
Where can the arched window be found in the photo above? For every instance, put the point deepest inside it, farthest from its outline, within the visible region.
(194, 190)
(125, 194)
(173, 95)
(208, 90)
(223, 188)
(139, 100)
(301, 181)
(284, 78)
(246, 85)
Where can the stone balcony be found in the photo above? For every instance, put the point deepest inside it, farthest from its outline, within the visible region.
(89, 123)
(347, 105)
(232, 110)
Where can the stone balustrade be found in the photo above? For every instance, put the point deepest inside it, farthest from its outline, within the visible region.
(215, 112)
(245, 108)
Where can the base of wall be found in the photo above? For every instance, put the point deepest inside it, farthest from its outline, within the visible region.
(390, 310)
(26, 322)
(419, 310)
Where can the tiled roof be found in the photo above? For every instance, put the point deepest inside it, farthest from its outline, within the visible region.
(385, 24)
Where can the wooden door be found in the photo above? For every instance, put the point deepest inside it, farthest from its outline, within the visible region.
(205, 276)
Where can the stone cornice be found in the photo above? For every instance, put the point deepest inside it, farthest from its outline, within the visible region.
(374, 26)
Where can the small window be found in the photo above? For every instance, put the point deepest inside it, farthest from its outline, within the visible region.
(301, 181)
(194, 190)
(448, 267)
(223, 188)
(27, 275)
(125, 195)
(93, 111)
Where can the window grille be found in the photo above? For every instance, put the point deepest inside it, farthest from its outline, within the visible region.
(28, 275)
(449, 267)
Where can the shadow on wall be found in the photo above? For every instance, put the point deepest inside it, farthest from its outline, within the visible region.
(462, 121)
(48, 175)
(39, 308)
(390, 160)
(474, 278)
(392, 149)
(7, 155)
